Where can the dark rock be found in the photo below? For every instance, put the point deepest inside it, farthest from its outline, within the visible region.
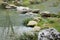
(45, 15)
(30, 25)
(36, 11)
(3, 5)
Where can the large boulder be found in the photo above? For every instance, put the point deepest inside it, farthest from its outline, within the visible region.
(32, 23)
(49, 34)
(23, 9)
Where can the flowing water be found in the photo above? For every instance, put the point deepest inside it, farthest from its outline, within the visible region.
(17, 24)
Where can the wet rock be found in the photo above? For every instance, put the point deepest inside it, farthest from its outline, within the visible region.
(36, 11)
(32, 23)
(45, 14)
(5, 5)
(23, 9)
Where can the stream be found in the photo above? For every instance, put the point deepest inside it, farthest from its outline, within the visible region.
(18, 27)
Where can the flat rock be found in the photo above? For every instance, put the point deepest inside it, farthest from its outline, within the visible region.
(32, 23)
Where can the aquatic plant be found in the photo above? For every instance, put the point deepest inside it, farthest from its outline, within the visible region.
(28, 36)
(25, 22)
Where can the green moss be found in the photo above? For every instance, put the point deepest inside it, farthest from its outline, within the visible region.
(26, 3)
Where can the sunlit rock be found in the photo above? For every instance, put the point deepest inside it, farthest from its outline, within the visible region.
(10, 6)
(36, 28)
(32, 23)
(31, 1)
(7, 7)
(23, 9)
